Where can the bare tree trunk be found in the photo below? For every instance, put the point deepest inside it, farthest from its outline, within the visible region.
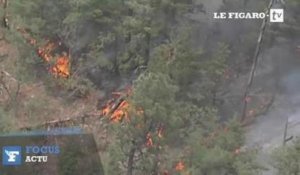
(285, 131)
(148, 43)
(136, 146)
(130, 161)
(255, 61)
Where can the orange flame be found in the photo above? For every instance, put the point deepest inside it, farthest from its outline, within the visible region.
(105, 110)
(179, 166)
(45, 51)
(61, 67)
(121, 112)
(149, 141)
(118, 114)
(159, 132)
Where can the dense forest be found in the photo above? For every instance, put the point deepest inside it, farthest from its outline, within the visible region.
(161, 84)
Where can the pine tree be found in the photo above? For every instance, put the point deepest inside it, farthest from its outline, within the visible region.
(286, 160)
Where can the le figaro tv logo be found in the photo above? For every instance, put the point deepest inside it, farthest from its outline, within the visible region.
(275, 15)
(11, 155)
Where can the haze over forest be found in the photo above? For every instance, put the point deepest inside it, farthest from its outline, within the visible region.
(162, 85)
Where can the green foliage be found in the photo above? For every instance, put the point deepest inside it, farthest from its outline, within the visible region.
(6, 121)
(79, 86)
(117, 157)
(27, 14)
(24, 60)
(215, 154)
(186, 125)
(246, 164)
(233, 138)
(176, 58)
(132, 32)
(159, 91)
(69, 160)
(286, 160)
(176, 92)
(34, 107)
(216, 65)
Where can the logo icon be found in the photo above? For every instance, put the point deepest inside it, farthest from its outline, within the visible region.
(11, 155)
(276, 15)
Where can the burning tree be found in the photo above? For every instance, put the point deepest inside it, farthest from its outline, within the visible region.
(59, 63)
(143, 138)
(172, 110)
(147, 140)
(178, 130)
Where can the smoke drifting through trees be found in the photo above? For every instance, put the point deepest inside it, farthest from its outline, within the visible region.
(185, 69)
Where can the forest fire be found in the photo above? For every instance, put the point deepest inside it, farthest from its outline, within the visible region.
(117, 111)
(149, 139)
(59, 65)
(121, 112)
(117, 107)
(45, 52)
(106, 109)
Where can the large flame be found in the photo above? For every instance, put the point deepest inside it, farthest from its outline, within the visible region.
(121, 112)
(116, 109)
(116, 114)
(59, 65)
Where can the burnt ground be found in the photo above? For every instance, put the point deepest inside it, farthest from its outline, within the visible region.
(35, 103)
